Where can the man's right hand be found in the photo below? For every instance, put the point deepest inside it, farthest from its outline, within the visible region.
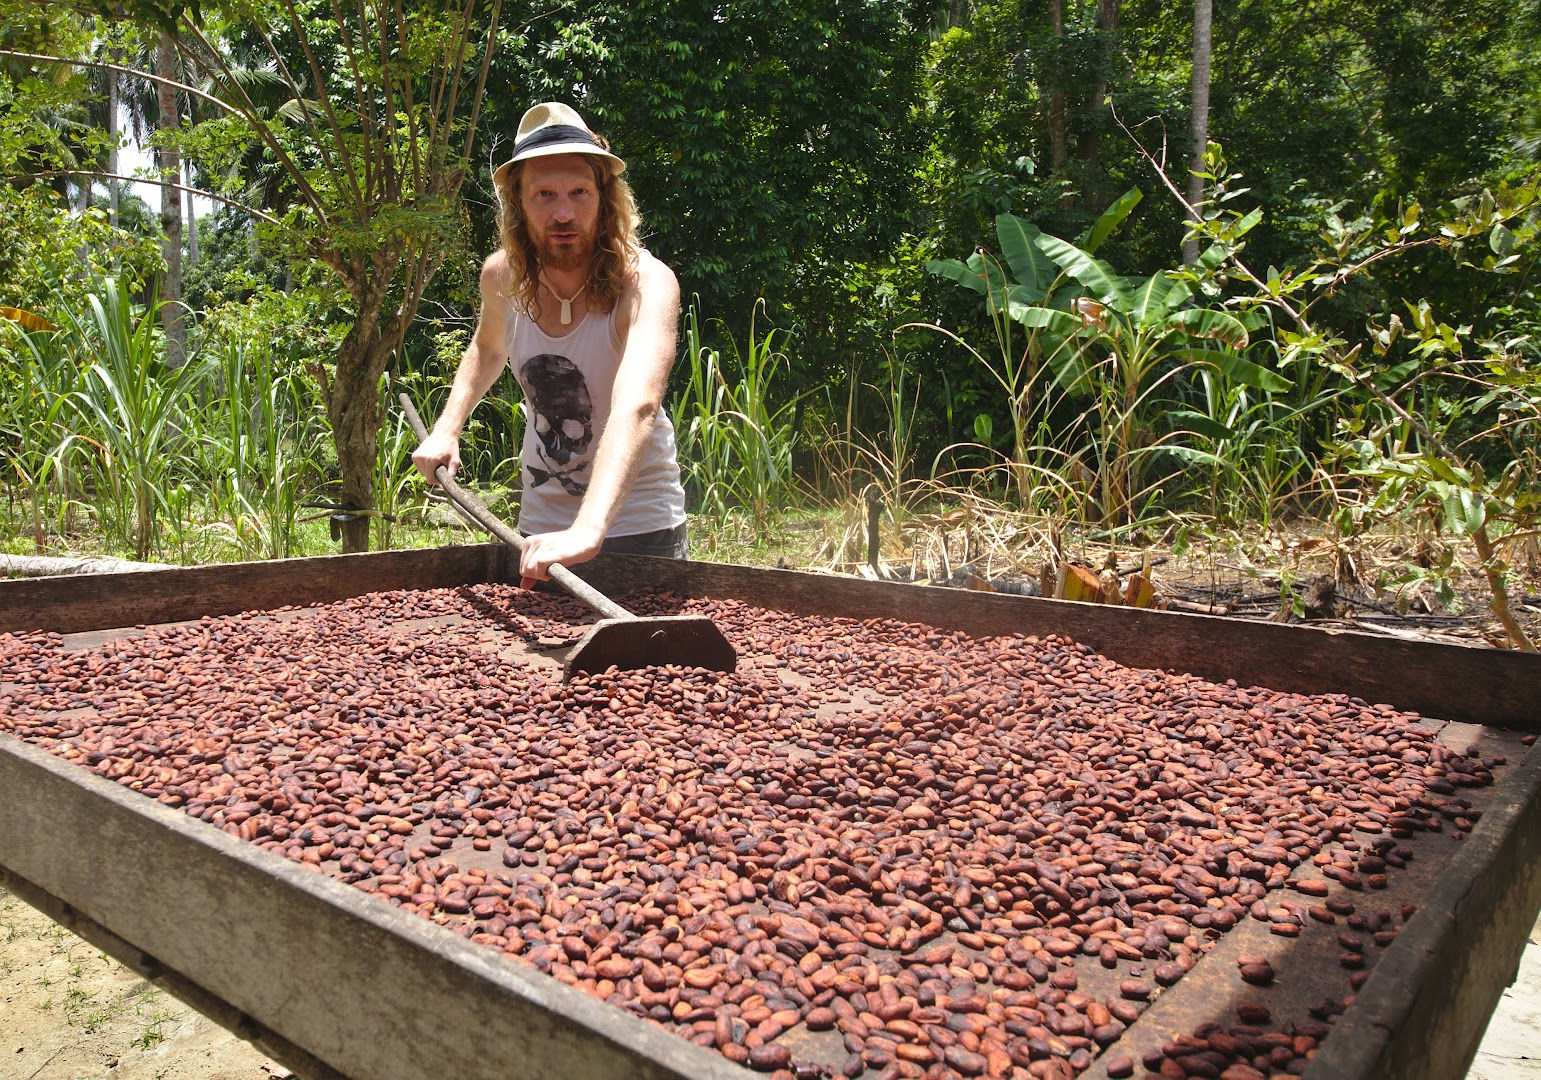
(437, 450)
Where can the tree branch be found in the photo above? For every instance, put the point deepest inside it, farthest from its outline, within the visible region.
(154, 183)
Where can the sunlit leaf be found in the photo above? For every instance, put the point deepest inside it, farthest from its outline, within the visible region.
(1111, 219)
(1032, 269)
(26, 319)
(1094, 274)
(1238, 369)
(1199, 424)
(1465, 511)
(1213, 324)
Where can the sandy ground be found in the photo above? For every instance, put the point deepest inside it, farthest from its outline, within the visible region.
(68, 1012)
(1511, 1049)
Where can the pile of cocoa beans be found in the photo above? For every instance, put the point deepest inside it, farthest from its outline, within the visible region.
(878, 849)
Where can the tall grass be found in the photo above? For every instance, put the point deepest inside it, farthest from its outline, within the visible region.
(263, 447)
(130, 405)
(735, 431)
(36, 446)
(198, 462)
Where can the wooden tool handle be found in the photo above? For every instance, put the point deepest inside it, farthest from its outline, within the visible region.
(484, 517)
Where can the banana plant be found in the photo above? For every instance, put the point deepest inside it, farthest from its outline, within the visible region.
(1102, 336)
(1036, 298)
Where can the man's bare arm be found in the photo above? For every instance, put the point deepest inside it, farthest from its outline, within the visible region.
(479, 369)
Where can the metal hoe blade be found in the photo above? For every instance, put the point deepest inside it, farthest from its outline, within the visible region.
(648, 641)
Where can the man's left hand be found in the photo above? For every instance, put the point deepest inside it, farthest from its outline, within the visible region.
(568, 547)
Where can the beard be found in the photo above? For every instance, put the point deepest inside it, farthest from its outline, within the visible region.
(573, 253)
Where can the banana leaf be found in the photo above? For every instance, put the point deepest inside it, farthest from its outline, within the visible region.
(1036, 317)
(1110, 220)
(1238, 369)
(982, 275)
(1157, 297)
(1210, 323)
(1199, 424)
(1096, 275)
(1032, 269)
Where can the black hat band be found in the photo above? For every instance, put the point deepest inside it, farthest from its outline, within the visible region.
(551, 135)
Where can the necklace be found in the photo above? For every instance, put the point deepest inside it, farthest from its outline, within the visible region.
(567, 301)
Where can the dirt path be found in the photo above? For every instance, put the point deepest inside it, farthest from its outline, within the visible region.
(69, 1012)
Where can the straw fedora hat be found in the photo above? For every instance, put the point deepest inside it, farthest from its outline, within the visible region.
(553, 128)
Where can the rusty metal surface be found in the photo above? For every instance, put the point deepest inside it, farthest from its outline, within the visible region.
(633, 642)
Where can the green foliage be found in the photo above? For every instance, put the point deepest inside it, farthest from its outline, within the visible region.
(37, 446)
(51, 251)
(128, 407)
(771, 146)
(1123, 345)
(263, 451)
(735, 437)
(1413, 426)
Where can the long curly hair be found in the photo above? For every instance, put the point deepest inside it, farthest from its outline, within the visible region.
(616, 243)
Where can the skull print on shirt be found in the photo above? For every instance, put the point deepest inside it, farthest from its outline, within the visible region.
(562, 415)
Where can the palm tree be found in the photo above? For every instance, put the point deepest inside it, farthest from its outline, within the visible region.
(168, 118)
(1203, 23)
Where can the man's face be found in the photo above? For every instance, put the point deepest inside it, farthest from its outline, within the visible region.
(560, 201)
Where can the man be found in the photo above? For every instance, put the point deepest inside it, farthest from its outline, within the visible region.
(587, 321)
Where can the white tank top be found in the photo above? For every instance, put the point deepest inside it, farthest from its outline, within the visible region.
(567, 382)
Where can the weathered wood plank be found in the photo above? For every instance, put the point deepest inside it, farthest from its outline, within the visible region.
(70, 605)
(1422, 1014)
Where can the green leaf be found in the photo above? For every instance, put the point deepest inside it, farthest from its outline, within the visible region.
(1157, 296)
(1199, 424)
(1248, 223)
(1212, 257)
(1094, 274)
(976, 274)
(1465, 511)
(1111, 219)
(1213, 324)
(1501, 239)
(1036, 317)
(1238, 369)
(1071, 371)
(1033, 271)
(1194, 456)
(1446, 472)
(1391, 377)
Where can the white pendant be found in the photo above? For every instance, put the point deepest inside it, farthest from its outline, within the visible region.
(567, 311)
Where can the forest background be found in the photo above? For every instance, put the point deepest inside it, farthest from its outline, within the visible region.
(1117, 271)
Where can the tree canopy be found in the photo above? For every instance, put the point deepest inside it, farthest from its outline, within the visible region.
(804, 160)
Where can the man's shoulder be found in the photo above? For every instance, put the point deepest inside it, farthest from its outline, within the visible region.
(497, 280)
(496, 264)
(653, 274)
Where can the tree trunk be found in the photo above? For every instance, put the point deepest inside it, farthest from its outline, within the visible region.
(171, 207)
(112, 144)
(1089, 140)
(1058, 142)
(353, 401)
(192, 218)
(354, 411)
(1203, 23)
